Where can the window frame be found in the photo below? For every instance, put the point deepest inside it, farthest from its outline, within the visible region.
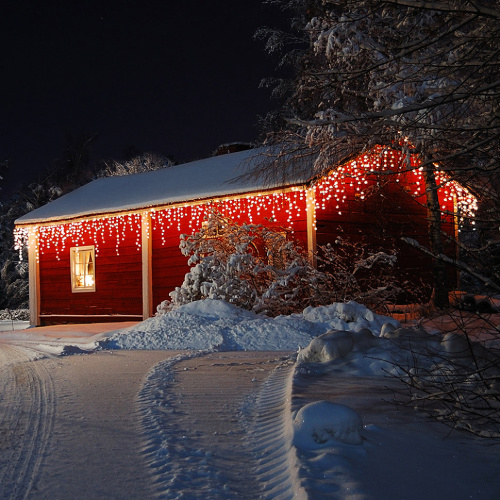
(74, 251)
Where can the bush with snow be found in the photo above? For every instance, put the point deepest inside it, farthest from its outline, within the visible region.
(15, 314)
(252, 266)
(356, 271)
(259, 268)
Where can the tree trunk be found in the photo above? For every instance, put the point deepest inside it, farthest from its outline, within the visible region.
(440, 296)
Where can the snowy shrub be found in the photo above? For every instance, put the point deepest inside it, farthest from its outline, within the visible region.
(353, 271)
(249, 265)
(15, 314)
(259, 268)
(349, 271)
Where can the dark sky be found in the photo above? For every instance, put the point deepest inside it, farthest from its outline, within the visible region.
(176, 78)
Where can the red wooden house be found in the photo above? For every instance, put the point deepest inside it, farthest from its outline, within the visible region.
(109, 251)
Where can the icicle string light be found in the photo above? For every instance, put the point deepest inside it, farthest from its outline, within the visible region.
(355, 177)
(351, 180)
(279, 207)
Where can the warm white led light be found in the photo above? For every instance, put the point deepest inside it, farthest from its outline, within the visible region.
(279, 206)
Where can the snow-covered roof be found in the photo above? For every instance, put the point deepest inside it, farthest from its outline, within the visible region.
(212, 177)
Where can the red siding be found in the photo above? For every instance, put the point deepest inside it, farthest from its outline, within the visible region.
(117, 275)
(170, 266)
(386, 214)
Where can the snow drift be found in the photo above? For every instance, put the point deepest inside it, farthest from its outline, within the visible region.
(215, 324)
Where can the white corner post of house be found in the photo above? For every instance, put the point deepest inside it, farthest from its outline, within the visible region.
(34, 276)
(147, 272)
(311, 224)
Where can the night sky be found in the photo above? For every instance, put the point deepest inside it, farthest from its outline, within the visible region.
(171, 78)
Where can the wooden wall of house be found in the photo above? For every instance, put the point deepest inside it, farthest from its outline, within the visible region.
(386, 214)
(169, 266)
(118, 278)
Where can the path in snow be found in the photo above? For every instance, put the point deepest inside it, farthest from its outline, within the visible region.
(70, 427)
(26, 419)
(200, 435)
(270, 437)
(74, 425)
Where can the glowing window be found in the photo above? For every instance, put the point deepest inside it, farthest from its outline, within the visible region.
(82, 269)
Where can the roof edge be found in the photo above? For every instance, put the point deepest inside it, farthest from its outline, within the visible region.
(152, 208)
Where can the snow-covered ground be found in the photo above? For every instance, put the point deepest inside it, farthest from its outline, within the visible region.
(7, 324)
(337, 447)
(321, 426)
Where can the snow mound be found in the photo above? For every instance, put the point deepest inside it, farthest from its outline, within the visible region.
(216, 324)
(335, 345)
(349, 316)
(214, 309)
(321, 423)
(212, 324)
(172, 331)
(459, 346)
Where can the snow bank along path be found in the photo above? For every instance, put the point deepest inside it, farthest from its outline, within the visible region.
(215, 324)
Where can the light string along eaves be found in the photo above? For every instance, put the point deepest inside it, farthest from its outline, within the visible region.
(350, 181)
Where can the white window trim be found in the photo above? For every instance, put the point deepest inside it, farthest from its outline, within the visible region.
(73, 252)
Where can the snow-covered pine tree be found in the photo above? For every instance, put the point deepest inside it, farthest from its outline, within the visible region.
(239, 264)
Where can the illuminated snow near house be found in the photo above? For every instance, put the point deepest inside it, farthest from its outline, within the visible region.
(226, 327)
(334, 451)
(347, 443)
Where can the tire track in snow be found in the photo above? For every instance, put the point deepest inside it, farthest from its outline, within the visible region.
(175, 467)
(27, 408)
(277, 463)
(197, 428)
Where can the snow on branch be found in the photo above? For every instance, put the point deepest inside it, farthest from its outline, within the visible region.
(261, 269)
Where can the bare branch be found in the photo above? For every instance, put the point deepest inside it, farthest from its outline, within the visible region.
(474, 7)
